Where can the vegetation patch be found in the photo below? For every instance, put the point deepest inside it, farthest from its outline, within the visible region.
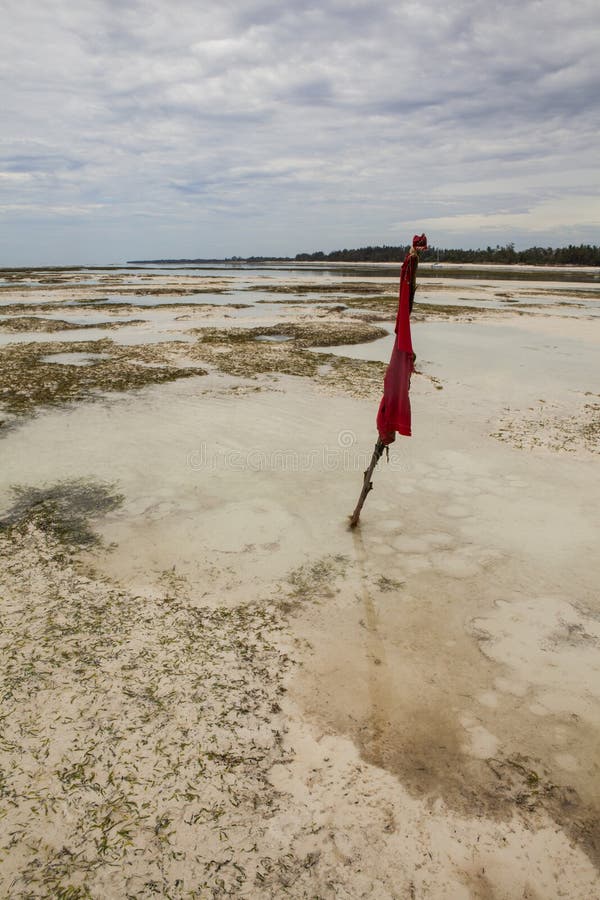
(577, 293)
(314, 581)
(547, 427)
(303, 334)
(35, 323)
(26, 382)
(157, 291)
(380, 303)
(137, 737)
(386, 584)
(237, 352)
(62, 510)
(250, 358)
(317, 577)
(19, 309)
(339, 287)
(360, 378)
(430, 311)
(388, 307)
(130, 306)
(54, 284)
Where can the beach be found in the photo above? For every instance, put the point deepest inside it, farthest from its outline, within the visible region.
(212, 686)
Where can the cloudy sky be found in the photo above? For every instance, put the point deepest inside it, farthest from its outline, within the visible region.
(167, 128)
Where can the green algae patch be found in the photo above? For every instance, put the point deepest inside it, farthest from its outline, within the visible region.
(125, 290)
(131, 306)
(421, 311)
(339, 287)
(316, 581)
(301, 334)
(425, 311)
(380, 303)
(19, 324)
(135, 730)
(360, 378)
(27, 382)
(34, 309)
(552, 427)
(238, 352)
(249, 359)
(62, 510)
(382, 308)
(170, 291)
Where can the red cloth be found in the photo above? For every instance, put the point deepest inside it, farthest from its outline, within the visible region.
(394, 410)
(420, 241)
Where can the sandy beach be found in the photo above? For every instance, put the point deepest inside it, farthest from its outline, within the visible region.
(211, 687)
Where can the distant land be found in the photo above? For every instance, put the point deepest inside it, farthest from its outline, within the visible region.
(580, 255)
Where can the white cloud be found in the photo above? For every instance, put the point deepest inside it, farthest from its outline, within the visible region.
(547, 216)
(257, 127)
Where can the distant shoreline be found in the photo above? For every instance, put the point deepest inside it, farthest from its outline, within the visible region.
(507, 255)
(359, 269)
(304, 263)
(275, 260)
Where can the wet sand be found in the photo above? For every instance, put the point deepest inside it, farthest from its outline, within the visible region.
(232, 694)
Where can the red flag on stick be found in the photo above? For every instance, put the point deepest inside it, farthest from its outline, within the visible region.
(394, 410)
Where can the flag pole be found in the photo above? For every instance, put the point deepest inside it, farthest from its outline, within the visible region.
(367, 483)
(394, 410)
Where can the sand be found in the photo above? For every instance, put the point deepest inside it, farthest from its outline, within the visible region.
(212, 688)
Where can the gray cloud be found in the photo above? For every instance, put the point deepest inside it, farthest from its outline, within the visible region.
(144, 129)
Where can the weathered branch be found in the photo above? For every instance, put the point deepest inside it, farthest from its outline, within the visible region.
(367, 483)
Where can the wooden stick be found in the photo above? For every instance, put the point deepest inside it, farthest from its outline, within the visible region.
(367, 483)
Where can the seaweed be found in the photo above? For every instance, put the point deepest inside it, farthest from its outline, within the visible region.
(62, 509)
(27, 382)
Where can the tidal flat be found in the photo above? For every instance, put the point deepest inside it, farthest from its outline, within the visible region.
(211, 687)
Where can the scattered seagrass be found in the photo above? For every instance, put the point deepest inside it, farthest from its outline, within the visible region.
(62, 510)
(138, 733)
(34, 323)
(238, 352)
(27, 382)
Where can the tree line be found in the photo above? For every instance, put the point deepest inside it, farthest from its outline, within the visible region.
(574, 255)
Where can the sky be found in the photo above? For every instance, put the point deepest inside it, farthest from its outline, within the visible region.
(155, 129)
